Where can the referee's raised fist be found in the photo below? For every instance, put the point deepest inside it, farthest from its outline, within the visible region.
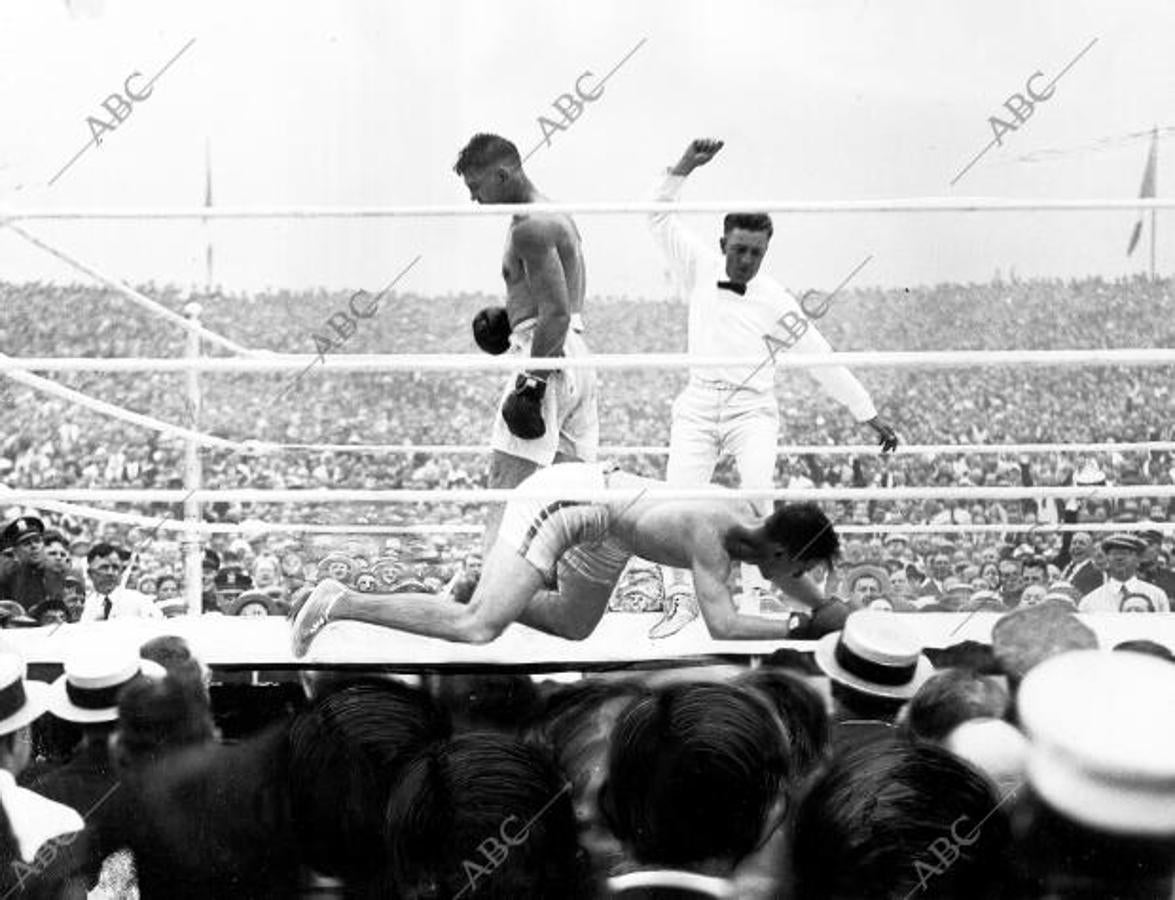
(702, 150)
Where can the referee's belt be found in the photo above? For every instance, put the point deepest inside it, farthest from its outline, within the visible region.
(712, 384)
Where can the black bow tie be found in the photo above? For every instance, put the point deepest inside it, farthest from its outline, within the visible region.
(740, 289)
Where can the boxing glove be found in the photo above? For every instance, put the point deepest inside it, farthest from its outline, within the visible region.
(491, 330)
(523, 408)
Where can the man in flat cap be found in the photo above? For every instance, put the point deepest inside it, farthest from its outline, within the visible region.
(1122, 590)
(24, 577)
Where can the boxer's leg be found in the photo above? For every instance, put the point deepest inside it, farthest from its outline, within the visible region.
(506, 471)
(507, 584)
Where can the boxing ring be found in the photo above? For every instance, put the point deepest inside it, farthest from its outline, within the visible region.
(621, 640)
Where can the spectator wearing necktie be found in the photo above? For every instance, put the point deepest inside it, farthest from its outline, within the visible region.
(1121, 581)
(108, 598)
(734, 411)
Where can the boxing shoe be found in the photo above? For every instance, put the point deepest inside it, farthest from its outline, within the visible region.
(681, 608)
(523, 408)
(313, 614)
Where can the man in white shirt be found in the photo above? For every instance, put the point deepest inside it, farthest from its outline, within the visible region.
(40, 827)
(108, 598)
(1122, 590)
(732, 312)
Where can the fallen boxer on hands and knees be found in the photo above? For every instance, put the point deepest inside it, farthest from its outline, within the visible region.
(555, 562)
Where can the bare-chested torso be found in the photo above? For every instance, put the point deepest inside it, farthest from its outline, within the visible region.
(677, 532)
(520, 302)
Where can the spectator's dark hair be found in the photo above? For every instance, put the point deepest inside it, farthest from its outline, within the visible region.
(570, 709)
(346, 753)
(693, 772)
(157, 716)
(951, 697)
(804, 530)
(173, 653)
(104, 549)
(488, 816)
(167, 650)
(748, 222)
(1035, 562)
(802, 711)
(861, 705)
(866, 826)
(55, 537)
(485, 150)
(493, 702)
(1152, 648)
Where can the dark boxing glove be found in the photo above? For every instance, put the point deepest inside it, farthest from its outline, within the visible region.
(491, 330)
(523, 408)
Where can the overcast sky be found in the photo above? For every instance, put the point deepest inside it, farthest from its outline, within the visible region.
(367, 103)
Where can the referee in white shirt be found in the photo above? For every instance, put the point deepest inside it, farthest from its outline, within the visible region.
(734, 411)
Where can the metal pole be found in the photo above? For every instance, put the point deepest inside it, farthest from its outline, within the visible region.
(192, 549)
(1153, 220)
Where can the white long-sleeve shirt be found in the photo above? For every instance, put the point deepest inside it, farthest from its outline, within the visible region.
(125, 603)
(722, 323)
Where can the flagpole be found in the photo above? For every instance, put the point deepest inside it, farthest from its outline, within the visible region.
(208, 203)
(1153, 220)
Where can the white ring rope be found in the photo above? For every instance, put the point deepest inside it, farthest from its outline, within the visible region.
(642, 207)
(781, 450)
(465, 362)
(248, 526)
(119, 412)
(131, 294)
(661, 490)
(258, 526)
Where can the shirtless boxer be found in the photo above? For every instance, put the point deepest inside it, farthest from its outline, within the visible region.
(582, 547)
(545, 416)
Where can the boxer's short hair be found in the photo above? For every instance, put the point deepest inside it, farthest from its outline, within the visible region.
(485, 150)
(748, 222)
(804, 530)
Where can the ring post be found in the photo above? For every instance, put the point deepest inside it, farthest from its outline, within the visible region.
(193, 557)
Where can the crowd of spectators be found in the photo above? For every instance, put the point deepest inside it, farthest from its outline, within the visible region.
(879, 769)
(875, 767)
(61, 445)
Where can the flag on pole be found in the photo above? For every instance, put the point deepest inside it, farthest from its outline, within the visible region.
(1148, 187)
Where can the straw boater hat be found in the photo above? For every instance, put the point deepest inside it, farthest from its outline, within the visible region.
(94, 675)
(1098, 740)
(21, 702)
(876, 653)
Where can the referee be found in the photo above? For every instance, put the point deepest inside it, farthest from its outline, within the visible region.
(734, 411)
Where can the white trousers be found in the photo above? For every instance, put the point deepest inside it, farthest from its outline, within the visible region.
(712, 420)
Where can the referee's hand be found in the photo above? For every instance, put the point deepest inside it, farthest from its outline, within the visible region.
(889, 437)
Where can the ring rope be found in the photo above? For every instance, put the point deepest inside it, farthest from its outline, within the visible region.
(131, 294)
(499, 495)
(258, 526)
(643, 207)
(118, 412)
(465, 362)
(782, 449)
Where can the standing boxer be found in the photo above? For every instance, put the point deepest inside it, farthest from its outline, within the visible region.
(734, 411)
(545, 416)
